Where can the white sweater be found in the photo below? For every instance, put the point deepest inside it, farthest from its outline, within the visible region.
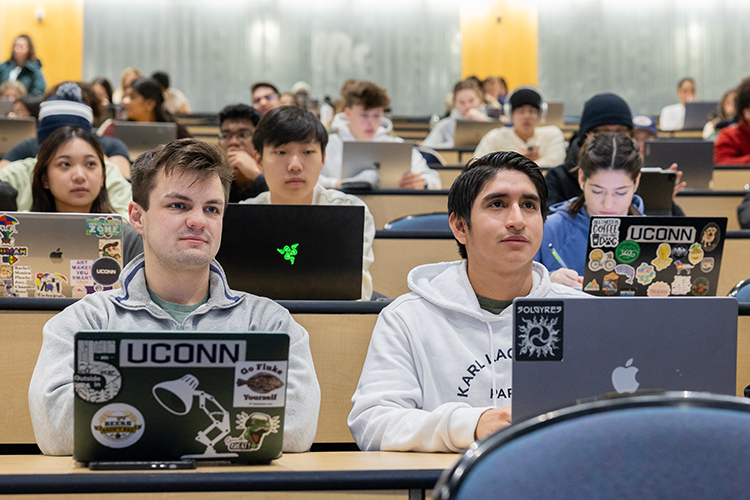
(548, 141)
(434, 359)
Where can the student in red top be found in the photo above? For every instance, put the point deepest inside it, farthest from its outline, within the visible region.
(732, 146)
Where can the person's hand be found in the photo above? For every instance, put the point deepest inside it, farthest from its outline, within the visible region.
(678, 186)
(567, 277)
(241, 162)
(474, 114)
(492, 421)
(411, 180)
(530, 153)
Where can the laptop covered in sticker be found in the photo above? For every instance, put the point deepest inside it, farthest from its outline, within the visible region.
(569, 350)
(294, 252)
(54, 255)
(173, 395)
(631, 256)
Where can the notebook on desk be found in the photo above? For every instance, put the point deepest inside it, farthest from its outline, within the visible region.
(59, 255)
(390, 159)
(169, 395)
(140, 137)
(630, 256)
(695, 158)
(697, 114)
(15, 131)
(571, 349)
(294, 252)
(469, 133)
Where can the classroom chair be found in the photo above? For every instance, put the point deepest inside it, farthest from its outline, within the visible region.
(741, 291)
(437, 221)
(432, 157)
(674, 445)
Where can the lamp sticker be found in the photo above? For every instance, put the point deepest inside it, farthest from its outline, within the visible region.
(605, 232)
(118, 425)
(289, 252)
(259, 383)
(662, 260)
(645, 274)
(7, 229)
(710, 237)
(681, 285)
(103, 227)
(95, 380)
(255, 427)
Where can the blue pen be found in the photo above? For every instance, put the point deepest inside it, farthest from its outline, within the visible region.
(557, 257)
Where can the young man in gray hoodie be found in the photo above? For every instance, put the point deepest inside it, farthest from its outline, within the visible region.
(180, 192)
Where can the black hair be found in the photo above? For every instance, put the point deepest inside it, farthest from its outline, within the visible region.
(289, 124)
(100, 80)
(607, 151)
(150, 89)
(32, 103)
(479, 171)
(255, 86)
(239, 112)
(742, 98)
(686, 79)
(162, 78)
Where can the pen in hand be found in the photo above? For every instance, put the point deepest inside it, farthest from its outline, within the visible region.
(557, 257)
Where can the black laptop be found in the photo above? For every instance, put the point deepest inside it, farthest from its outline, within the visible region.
(656, 188)
(294, 252)
(694, 157)
(698, 113)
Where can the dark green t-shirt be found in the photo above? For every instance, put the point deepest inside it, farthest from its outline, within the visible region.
(177, 311)
(492, 305)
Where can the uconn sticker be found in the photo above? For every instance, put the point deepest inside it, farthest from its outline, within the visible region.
(538, 331)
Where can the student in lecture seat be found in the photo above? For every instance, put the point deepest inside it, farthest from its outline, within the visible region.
(467, 105)
(265, 96)
(175, 101)
(609, 170)
(69, 177)
(363, 120)
(438, 370)
(290, 150)
(65, 108)
(12, 91)
(525, 107)
(237, 124)
(672, 117)
(732, 146)
(24, 66)
(144, 102)
(726, 115)
(129, 75)
(180, 192)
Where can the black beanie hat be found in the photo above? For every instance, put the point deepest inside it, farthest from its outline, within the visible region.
(605, 109)
(65, 108)
(525, 96)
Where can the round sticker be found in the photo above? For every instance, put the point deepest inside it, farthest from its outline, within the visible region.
(627, 251)
(105, 271)
(118, 425)
(700, 287)
(710, 237)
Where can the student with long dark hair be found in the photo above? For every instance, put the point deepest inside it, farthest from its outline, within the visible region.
(69, 177)
(23, 66)
(609, 169)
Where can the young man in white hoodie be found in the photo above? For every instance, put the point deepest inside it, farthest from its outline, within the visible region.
(363, 120)
(438, 370)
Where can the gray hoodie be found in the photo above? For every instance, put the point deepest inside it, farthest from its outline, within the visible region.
(131, 308)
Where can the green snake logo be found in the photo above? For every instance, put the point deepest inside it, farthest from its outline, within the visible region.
(288, 252)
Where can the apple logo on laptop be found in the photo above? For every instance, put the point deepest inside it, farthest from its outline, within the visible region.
(623, 378)
(56, 256)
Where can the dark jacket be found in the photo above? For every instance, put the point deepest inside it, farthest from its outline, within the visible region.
(31, 76)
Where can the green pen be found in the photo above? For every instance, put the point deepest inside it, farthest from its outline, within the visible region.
(557, 257)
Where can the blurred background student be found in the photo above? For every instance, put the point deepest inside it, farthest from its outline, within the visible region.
(24, 67)
(467, 105)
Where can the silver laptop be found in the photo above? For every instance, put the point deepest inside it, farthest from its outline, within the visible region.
(555, 113)
(694, 157)
(390, 159)
(15, 131)
(53, 255)
(698, 113)
(6, 107)
(469, 133)
(572, 349)
(140, 137)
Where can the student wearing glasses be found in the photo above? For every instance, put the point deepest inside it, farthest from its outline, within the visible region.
(237, 123)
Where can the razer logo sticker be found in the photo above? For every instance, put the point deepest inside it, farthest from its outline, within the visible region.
(288, 252)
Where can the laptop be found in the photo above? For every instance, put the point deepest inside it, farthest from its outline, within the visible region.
(572, 349)
(6, 107)
(469, 133)
(555, 113)
(631, 256)
(390, 159)
(294, 252)
(695, 158)
(55, 255)
(140, 137)
(656, 188)
(175, 395)
(698, 113)
(15, 131)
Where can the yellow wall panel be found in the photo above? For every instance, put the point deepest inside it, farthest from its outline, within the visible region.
(58, 38)
(508, 48)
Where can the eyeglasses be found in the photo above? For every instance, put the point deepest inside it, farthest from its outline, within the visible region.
(241, 135)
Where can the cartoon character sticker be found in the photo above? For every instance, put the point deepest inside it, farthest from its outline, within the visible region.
(681, 285)
(49, 284)
(645, 274)
(695, 254)
(627, 271)
(255, 427)
(700, 287)
(662, 260)
(707, 264)
(609, 284)
(599, 259)
(8, 226)
(658, 289)
(710, 237)
(111, 248)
